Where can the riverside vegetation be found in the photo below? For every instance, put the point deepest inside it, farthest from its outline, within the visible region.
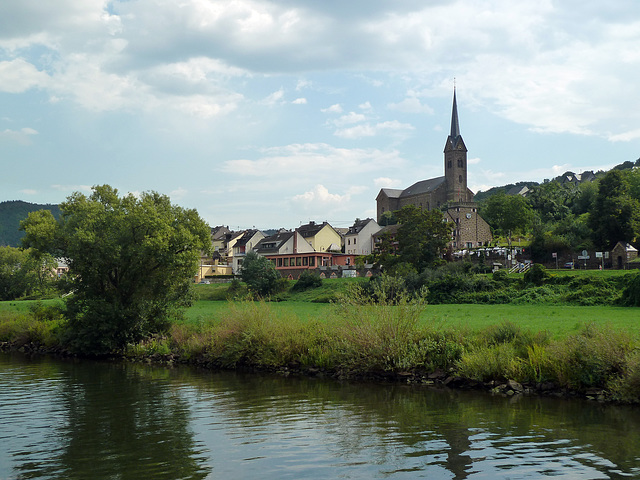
(381, 328)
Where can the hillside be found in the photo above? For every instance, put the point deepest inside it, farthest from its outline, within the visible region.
(12, 213)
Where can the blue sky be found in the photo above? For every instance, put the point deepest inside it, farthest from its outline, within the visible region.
(273, 113)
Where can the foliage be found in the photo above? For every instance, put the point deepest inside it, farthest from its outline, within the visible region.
(307, 280)
(631, 293)
(536, 275)
(616, 214)
(422, 237)
(131, 262)
(25, 273)
(260, 275)
(508, 214)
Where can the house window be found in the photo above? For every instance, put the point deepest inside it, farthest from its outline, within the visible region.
(354, 241)
(348, 241)
(285, 262)
(279, 262)
(298, 261)
(312, 261)
(305, 261)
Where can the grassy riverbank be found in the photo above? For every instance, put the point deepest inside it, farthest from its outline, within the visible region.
(594, 350)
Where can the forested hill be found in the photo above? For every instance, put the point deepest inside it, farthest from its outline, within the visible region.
(12, 213)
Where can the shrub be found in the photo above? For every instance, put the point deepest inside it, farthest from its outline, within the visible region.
(536, 275)
(631, 293)
(307, 280)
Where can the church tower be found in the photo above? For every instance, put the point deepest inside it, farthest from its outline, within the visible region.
(455, 160)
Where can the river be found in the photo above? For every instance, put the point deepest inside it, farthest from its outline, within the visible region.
(92, 420)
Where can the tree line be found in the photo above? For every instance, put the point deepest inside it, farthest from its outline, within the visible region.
(565, 218)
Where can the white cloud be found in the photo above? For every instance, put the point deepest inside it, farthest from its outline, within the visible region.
(29, 191)
(21, 136)
(411, 105)
(300, 101)
(178, 193)
(320, 161)
(274, 98)
(18, 76)
(392, 127)
(348, 119)
(321, 197)
(337, 108)
(386, 182)
(366, 106)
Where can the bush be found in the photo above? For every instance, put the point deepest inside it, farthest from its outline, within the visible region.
(536, 275)
(631, 293)
(260, 275)
(307, 280)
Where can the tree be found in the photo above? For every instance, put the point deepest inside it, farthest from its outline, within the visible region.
(616, 213)
(423, 236)
(131, 261)
(25, 273)
(259, 274)
(508, 213)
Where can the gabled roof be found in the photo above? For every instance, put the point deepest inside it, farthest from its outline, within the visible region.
(423, 186)
(359, 225)
(391, 192)
(272, 243)
(311, 229)
(245, 237)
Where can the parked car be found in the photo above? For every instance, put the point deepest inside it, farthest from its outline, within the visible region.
(568, 265)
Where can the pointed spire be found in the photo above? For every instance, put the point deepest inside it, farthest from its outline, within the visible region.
(455, 127)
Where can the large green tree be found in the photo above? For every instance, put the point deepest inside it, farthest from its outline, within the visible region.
(508, 213)
(615, 215)
(423, 236)
(259, 274)
(131, 261)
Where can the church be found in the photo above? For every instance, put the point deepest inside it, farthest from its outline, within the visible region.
(449, 192)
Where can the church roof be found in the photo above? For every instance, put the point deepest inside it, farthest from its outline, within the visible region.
(454, 135)
(423, 186)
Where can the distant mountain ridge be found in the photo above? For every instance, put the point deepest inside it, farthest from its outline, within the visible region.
(12, 213)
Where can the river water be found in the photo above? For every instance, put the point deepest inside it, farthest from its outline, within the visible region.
(86, 420)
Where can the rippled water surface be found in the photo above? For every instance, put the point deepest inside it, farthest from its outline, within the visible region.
(84, 420)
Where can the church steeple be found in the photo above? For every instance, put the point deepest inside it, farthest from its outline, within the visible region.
(455, 127)
(455, 160)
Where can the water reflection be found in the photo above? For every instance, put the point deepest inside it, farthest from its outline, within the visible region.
(70, 420)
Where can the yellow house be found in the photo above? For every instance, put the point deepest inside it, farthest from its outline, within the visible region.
(322, 237)
(211, 267)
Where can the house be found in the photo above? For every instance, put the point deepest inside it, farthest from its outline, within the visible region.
(359, 237)
(450, 189)
(622, 254)
(322, 237)
(242, 245)
(219, 237)
(212, 266)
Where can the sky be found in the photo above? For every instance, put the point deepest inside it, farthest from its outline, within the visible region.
(271, 114)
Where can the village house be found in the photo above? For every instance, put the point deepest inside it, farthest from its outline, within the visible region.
(359, 237)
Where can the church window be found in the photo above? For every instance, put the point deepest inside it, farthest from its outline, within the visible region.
(460, 178)
(460, 163)
(449, 164)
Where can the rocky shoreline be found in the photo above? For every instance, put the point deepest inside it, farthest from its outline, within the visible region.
(438, 378)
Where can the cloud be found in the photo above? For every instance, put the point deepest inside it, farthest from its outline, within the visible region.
(19, 76)
(386, 182)
(348, 119)
(392, 127)
(320, 197)
(411, 105)
(332, 109)
(300, 101)
(29, 191)
(22, 136)
(320, 161)
(274, 98)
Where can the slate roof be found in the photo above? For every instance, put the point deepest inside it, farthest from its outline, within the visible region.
(311, 229)
(423, 186)
(358, 225)
(264, 246)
